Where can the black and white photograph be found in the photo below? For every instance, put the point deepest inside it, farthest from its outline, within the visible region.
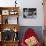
(29, 12)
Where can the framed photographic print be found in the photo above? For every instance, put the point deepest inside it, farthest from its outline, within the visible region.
(29, 12)
(13, 12)
(5, 12)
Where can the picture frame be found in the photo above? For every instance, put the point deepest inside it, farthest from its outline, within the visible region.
(5, 12)
(29, 12)
(13, 12)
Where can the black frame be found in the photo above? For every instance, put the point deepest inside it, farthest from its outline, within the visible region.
(29, 12)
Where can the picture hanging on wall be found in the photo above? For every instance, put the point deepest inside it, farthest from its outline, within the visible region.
(29, 12)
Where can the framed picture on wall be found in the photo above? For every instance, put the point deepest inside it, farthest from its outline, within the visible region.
(29, 12)
(5, 12)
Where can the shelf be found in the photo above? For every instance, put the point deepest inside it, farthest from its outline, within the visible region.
(9, 10)
(5, 8)
(11, 41)
(6, 12)
(10, 26)
(7, 16)
(10, 19)
(11, 15)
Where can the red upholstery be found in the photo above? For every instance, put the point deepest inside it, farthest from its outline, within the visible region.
(29, 33)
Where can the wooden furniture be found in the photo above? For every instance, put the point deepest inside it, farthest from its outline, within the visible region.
(10, 43)
(8, 23)
(11, 26)
(6, 12)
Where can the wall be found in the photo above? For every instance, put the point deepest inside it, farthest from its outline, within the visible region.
(7, 3)
(38, 21)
